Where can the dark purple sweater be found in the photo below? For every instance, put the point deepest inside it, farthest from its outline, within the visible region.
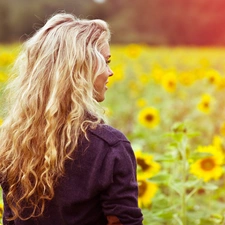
(99, 183)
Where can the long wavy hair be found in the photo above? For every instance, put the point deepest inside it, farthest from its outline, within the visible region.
(52, 99)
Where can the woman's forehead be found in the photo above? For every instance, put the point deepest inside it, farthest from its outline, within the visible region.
(106, 50)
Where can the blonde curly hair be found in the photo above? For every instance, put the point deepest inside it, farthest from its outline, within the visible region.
(52, 101)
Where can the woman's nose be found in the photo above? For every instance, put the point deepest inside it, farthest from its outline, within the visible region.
(110, 72)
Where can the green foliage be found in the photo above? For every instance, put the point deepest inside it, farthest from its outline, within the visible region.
(178, 201)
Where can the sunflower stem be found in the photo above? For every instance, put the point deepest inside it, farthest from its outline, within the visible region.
(184, 175)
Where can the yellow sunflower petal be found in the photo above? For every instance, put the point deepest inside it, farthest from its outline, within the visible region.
(146, 166)
(146, 192)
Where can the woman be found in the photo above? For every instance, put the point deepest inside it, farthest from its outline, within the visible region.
(59, 163)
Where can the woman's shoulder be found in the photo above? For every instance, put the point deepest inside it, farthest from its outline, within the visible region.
(108, 134)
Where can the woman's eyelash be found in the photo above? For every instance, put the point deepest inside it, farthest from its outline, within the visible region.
(108, 61)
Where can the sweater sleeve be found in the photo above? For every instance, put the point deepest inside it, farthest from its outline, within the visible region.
(119, 200)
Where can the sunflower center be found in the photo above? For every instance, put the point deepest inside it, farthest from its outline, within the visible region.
(142, 187)
(144, 166)
(171, 84)
(149, 117)
(206, 104)
(212, 80)
(207, 164)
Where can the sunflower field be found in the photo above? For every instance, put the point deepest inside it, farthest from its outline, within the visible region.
(169, 102)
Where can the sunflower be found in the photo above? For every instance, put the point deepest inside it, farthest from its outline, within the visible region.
(213, 77)
(146, 192)
(146, 166)
(3, 77)
(135, 88)
(6, 59)
(222, 129)
(169, 82)
(157, 73)
(133, 51)
(141, 102)
(205, 104)
(149, 117)
(221, 84)
(209, 167)
(1, 209)
(218, 143)
(187, 78)
(118, 74)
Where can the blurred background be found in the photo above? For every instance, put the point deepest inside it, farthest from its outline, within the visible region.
(155, 22)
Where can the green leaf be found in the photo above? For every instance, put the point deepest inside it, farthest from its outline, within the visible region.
(161, 178)
(193, 183)
(170, 156)
(179, 127)
(210, 186)
(177, 186)
(193, 134)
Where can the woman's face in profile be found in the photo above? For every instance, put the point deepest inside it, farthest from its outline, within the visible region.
(102, 79)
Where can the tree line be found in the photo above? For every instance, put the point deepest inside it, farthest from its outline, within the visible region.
(155, 22)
